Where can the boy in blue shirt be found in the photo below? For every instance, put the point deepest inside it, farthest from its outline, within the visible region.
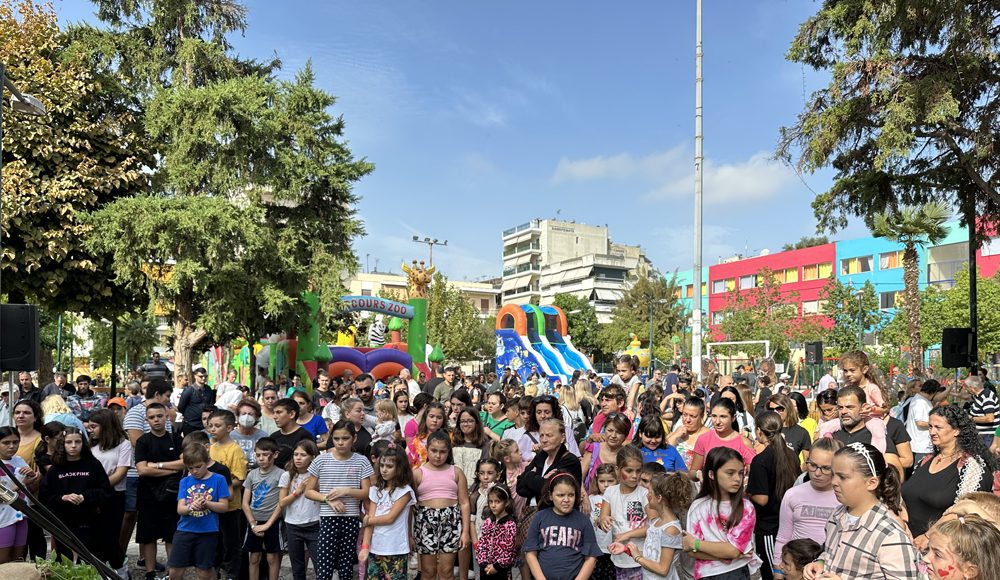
(201, 497)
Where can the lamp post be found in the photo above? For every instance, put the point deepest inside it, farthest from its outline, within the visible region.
(651, 303)
(430, 245)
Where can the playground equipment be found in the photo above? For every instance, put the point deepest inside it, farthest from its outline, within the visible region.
(635, 349)
(536, 336)
(306, 353)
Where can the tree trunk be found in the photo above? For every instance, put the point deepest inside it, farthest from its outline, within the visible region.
(911, 283)
(186, 337)
(45, 365)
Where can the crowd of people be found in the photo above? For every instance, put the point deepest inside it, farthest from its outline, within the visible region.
(483, 476)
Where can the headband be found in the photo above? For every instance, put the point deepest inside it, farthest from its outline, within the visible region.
(863, 451)
(552, 481)
(501, 489)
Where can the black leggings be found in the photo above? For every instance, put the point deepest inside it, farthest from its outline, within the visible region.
(765, 549)
(112, 514)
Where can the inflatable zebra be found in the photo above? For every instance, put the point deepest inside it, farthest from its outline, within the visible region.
(376, 334)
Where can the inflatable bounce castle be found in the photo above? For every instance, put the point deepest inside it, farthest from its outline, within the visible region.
(536, 336)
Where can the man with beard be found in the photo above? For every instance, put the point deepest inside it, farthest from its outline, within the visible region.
(852, 404)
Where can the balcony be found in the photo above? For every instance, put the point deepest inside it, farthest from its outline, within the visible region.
(515, 270)
(532, 225)
(520, 248)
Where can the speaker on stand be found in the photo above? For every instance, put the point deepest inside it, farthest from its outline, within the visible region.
(956, 347)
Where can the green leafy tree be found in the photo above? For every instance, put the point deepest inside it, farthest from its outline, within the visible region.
(913, 226)
(136, 338)
(761, 313)
(806, 242)
(581, 321)
(950, 308)
(88, 150)
(851, 315)
(910, 114)
(252, 200)
(453, 323)
(632, 314)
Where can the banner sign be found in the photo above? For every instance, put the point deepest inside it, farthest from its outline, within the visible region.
(376, 304)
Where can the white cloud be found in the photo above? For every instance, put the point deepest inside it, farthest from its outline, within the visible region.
(621, 166)
(476, 109)
(669, 175)
(756, 179)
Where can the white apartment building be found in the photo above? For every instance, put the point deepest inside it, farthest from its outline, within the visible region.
(543, 258)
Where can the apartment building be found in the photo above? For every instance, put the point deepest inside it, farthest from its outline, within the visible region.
(542, 258)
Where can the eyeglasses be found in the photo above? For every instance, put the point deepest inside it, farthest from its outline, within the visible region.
(544, 399)
(778, 408)
(820, 469)
(363, 390)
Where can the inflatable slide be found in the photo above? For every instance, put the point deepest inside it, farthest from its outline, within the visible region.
(530, 336)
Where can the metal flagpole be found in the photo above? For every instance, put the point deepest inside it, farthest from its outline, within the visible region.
(698, 163)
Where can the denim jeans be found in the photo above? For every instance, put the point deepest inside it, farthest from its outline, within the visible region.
(299, 539)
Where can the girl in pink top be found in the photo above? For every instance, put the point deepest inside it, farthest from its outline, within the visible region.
(721, 520)
(806, 508)
(723, 434)
(858, 372)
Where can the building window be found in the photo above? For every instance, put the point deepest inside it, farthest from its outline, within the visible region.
(484, 305)
(889, 300)
(677, 292)
(718, 286)
(890, 260)
(855, 265)
(991, 247)
(717, 318)
(817, 271)
(689, 291)
(366, 292)
(748, 282)
(786, 276)
(810, 308)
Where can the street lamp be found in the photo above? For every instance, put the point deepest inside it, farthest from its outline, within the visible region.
(430, 245)
(651, 303)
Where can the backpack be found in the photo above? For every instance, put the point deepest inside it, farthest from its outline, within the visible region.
(578, 421)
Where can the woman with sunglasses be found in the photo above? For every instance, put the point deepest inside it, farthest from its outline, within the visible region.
(795, 436)
(805, 509)
(542, 408)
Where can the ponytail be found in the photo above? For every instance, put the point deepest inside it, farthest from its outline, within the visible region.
(889, 490)
(786, 462)
(870, 462)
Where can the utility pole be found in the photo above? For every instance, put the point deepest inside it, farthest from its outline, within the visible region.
(698, 164)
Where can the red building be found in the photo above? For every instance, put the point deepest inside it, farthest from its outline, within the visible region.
(803, 272)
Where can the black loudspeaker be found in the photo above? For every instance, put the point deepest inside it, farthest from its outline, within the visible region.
(956, 344)
(18, 337)
(814, 353)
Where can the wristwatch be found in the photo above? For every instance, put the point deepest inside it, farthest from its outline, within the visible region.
(159, 465)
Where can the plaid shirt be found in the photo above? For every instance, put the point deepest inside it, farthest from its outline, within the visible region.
(876, 546)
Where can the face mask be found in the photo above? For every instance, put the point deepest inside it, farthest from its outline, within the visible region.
(247, 420)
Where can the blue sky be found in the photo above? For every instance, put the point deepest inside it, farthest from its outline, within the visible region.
(480, 116)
